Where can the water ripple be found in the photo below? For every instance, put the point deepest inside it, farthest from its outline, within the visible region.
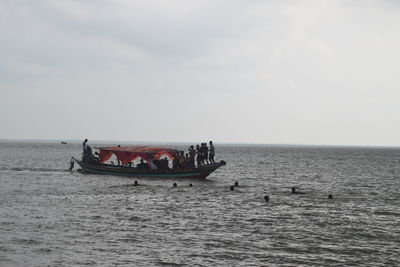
(58, 218)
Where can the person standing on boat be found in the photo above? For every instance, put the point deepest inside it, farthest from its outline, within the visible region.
(187, 161)
(192, 155)
(199, 154)
(212, 153)
(205, 152)
(182, 159)
(87, 150)
(84, 146)
(87, 155)
(175, 161)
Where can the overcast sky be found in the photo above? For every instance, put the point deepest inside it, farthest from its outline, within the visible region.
(275, 72)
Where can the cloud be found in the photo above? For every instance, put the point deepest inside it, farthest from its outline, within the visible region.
(254, 71)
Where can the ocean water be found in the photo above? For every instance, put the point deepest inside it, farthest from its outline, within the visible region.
(53, 217)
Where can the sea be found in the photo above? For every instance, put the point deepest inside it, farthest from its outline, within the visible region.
(50, 216)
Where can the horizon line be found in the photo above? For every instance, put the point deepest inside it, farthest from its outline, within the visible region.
(187, 142)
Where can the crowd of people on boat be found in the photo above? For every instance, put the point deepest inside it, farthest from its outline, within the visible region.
(201, 155)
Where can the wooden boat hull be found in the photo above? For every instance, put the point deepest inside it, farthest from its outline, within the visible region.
(196, 173)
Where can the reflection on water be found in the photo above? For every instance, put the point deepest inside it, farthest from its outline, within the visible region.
(50, 216)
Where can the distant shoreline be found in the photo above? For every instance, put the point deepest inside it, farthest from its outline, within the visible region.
(52, 141)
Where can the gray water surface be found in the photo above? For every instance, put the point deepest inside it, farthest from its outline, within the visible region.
(53, 217)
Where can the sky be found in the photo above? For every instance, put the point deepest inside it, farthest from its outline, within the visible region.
(271, 72)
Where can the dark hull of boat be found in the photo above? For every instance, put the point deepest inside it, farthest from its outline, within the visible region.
(198, 173)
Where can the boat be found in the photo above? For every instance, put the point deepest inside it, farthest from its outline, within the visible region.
(151, 155)
(63, 143)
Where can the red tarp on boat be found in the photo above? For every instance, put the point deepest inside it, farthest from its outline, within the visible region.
(126, 154)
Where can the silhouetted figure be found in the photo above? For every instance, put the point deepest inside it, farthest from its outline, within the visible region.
(175, 185)
(199, 155)
(87, 155)
(141, 165)
(330, 196)
(192, 155)
(175, 161)
(205, 152)
(190, 185)
(266, 198)
(236, 184)
(84, 145)
(211, 153)
(136, 183)
(187, 160)
(232, 188)
(181, 159)
(202, 151)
